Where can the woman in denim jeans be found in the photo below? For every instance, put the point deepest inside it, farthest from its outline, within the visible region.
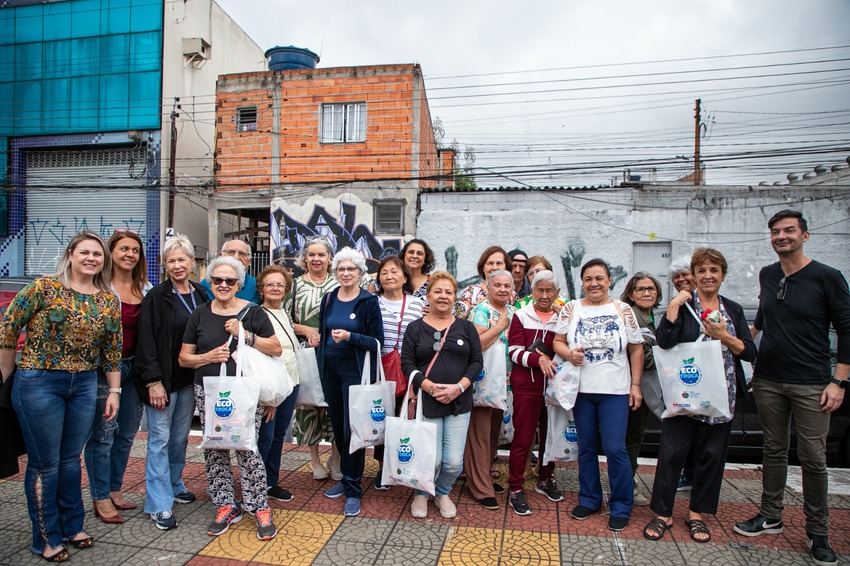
(73, 322)
(108, 450)
(163, 386)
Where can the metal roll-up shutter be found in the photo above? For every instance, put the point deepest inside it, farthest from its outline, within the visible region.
(71, 190)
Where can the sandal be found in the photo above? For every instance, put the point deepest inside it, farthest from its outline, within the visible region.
(655, 529)
(60, 556)
(85, 542)
(698, 527)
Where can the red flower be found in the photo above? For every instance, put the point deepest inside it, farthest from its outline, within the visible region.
(705, 314)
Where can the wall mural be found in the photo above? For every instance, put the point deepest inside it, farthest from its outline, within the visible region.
(288, 236)
(571, 260)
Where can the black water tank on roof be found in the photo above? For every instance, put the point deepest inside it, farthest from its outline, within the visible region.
(291, 57)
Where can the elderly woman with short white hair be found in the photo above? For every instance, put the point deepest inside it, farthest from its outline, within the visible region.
(207, 343)
(350, 324)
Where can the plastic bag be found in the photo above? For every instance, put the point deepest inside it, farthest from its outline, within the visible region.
(230, 408)
(410, 454)
(693, 379)
(490, 388)
(506, 432)
(310, 392)
(269, 372)
(369, 404)
(561, 390)
(561, 436)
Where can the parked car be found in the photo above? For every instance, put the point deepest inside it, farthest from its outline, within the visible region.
(747, 438)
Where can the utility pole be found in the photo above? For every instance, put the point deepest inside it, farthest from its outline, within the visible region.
(697, 168)
(172, 162)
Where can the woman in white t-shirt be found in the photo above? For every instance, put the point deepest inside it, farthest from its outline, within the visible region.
(601, 335)
(398, 309)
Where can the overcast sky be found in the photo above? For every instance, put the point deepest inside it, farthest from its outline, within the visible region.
(572, 93)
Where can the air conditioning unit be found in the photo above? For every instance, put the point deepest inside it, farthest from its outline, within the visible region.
(196, 47)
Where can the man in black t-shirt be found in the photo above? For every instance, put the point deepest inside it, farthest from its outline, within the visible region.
(798, 301)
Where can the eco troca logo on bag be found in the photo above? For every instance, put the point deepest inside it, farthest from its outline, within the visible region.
(377, 412)
(689, 374)
(224, 405)
(482, 375)
(570, 433)
(506, 417)
(405, 451)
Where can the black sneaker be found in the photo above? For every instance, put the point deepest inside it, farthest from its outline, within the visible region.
(279, 494)
(549, 489)
(580, 512)
(822, 553)
(489, 503)
(497, 488)
(224, 517)
(164, 520)
(618, 523)
(185, 497)
(379, 486)
(685, 483)
(519, 503)
(758, 525)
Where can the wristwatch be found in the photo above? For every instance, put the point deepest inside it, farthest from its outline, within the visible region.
(842, 383)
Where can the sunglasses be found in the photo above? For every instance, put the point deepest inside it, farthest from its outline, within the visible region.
(125, 231)
(780, 295)
(229, 281)
(438, 336)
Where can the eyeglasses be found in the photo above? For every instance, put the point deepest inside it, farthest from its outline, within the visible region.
(275, 285)
(240, 253)
(645, 290)
(780, 295)
(229, 281)
(346, 269)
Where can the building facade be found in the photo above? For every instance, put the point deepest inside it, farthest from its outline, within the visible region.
(89, 89)
(341, 152)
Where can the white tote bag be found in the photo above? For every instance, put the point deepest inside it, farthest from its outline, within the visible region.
(410, 454)
(693, 379)
(230, 408)
(310, 392)
(562, 390)
(369, 405)
(269, 372)
(561, 437)
(490, 389)
(506, 432)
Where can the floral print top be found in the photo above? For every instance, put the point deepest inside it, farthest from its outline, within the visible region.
(66, 330)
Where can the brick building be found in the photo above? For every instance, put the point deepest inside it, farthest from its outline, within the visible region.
(340, 151)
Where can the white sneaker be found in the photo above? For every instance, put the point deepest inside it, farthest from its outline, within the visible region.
(445, 505)
(419, 507)
(640, 499)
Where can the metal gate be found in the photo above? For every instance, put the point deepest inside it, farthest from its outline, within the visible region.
(71, 190)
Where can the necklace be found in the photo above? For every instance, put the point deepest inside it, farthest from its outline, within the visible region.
(313, 281)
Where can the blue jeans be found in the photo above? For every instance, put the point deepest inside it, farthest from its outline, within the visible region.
(451, 440)
(272, 433)
(341, 372)
(108, 450)
(56, 409)
(606, 416)
(168, 436)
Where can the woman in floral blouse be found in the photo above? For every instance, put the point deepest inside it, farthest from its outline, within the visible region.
(73, 322)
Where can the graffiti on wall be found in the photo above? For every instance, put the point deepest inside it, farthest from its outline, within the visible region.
(289, 235)
(571, 260)
(60, 232)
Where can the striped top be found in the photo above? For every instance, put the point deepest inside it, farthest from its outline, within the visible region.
(389, 315)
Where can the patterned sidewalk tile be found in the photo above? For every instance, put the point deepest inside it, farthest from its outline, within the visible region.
(472, 546)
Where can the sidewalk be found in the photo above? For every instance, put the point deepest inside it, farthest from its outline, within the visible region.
(312, 529)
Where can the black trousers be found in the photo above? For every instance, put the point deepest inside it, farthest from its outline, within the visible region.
(711, 443)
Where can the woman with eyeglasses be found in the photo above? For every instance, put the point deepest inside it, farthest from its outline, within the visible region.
(73, 322)
(273, 284)
(349, 326)
(208, 342)
(441, 355)
(108, 450)
(303, 302)
(642, 293)
(164, 387)
(709, 435)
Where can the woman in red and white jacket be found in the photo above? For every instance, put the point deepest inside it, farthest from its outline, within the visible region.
(530, 348)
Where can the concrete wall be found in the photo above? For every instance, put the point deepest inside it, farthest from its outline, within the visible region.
(569, 227)
(231, 50)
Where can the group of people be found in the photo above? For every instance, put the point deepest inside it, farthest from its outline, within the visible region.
(103, 346)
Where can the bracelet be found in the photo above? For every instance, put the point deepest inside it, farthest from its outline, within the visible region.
(152, 383)
(462, 390)
(115, 390)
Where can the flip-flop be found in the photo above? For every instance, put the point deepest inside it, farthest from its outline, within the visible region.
(698, 527)
(657, 526)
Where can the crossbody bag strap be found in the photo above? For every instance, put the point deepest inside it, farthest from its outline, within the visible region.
(274, 316)
(440, 349)
(400, 320)
(696, 318)
(294, 287)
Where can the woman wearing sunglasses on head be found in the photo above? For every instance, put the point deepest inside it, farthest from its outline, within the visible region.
(208, 342)
(441, 355)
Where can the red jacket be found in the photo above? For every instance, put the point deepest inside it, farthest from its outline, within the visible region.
(526, 328)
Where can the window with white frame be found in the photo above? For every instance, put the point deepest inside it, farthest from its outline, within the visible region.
(246, 119)
(343, 123)
(389, 216)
